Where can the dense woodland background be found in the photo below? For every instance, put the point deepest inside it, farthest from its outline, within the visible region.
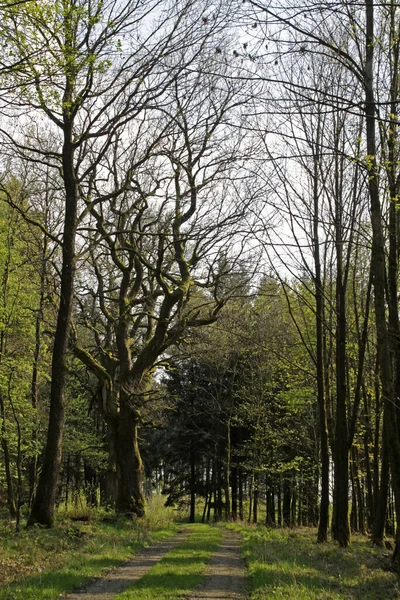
(199, 251)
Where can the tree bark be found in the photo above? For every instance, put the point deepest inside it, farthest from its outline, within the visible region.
(130, 496)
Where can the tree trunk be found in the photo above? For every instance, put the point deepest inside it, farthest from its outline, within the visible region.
(379, 274)
(320, 365)
(280, 517)
(111, 480)
(227, 472)
(287, 496)
(130, 496)
(43, 506)
(192, 514)
(234, 487)
(9, 481)
(32, 468)
(293, 507)
(361, 504)
(207, 490)
(255, 498)
(241, 512)
(367, 441)
(340, 524)
(378, 532)
(270, 502)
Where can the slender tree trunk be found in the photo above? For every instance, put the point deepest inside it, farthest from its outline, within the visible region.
(382, 493)
(192, 515)
(320, 366)
(293, 507)
(251, 499)
(361, 504)
(240, 498)
(379, 274)
(270, 504)
(287, 496)
(340, 523)
(353, 511)
(280, 516)
(32, 468)
(234, 487)
(43, 506)
(12, 506)
(67, 480)
(390, 515)
(357, 494)
(255, 498)
(377, 435)
(227, 472)
(7, 463)
(207, 490)
(367, 441)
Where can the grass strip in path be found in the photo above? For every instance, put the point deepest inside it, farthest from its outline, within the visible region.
(181, 570)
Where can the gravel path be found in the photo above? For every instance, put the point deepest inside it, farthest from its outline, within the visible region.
(225, 577)
(115, 582)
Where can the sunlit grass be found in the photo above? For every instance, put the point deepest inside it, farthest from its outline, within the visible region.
(41, 564)
(288, 564)
(180, 570)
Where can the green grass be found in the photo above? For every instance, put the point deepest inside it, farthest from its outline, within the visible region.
(180, 570)
(283, 564)
(290, 565)
(41, 564)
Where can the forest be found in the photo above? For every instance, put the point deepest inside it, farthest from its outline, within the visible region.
(199, 261)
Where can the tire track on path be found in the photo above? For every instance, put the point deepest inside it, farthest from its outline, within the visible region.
(225, 577)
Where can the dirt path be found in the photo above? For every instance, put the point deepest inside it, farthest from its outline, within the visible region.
(225, 577)
(115, 582)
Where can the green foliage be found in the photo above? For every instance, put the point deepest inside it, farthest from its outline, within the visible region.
(19, 305)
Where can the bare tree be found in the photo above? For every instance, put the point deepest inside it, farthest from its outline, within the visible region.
(162, 250)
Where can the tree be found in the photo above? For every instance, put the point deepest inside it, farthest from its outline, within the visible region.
(163, 249)
(64, 72)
